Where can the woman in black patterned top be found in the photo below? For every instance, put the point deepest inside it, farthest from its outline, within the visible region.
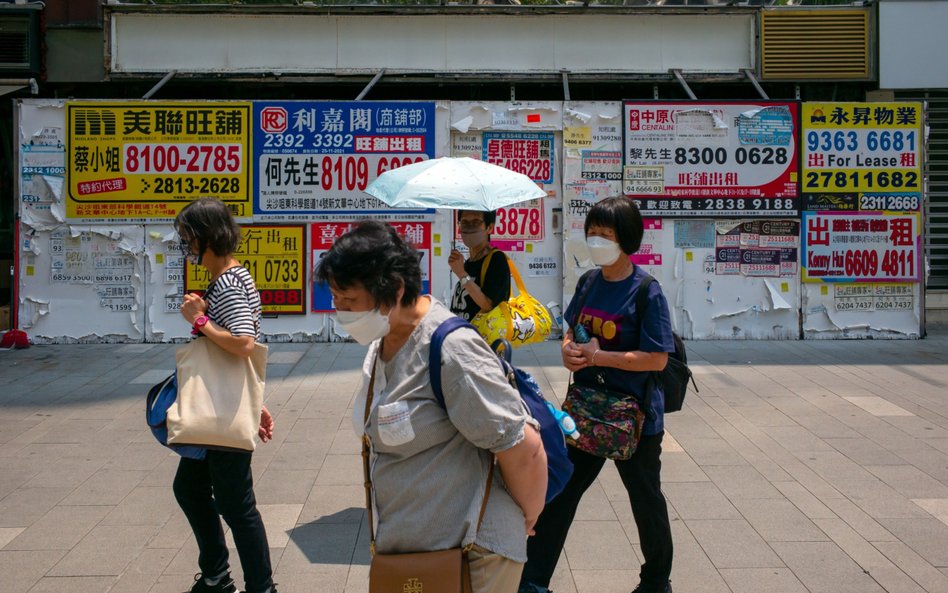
(222, 483)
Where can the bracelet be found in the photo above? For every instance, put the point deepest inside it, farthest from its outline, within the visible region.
(594, 356)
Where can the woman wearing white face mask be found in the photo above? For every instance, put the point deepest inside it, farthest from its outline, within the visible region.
(625, 345)
(483, 278)
(430, 462)
(221, 484)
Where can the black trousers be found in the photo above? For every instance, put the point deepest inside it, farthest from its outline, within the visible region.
(222, 484)
(641, 475)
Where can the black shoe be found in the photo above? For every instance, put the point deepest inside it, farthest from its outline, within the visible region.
(225, 585)
(527, 587)
(643, 589)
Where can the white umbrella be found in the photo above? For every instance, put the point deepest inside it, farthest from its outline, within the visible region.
(458, 183)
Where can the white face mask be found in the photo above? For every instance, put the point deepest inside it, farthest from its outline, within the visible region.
(603, 251)
(364, 326)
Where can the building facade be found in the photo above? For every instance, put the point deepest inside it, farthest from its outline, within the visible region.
(786, 157)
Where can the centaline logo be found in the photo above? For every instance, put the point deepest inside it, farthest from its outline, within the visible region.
(633, 119)
(273, 120)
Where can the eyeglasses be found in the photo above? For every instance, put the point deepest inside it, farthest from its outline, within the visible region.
(471, 225)
(186, 248)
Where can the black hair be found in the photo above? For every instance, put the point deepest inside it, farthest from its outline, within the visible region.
(489, 215)
(209, 222)
(621, 215)
(374, 255)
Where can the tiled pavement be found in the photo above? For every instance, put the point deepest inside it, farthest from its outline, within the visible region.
(800, 466)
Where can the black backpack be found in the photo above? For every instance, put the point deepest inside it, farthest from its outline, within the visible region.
(676, 374)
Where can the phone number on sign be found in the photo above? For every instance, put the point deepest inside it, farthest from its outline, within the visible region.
(535, 169)
(886, 202)
(745, 203)
(858, 180)
(513, 222)
(327, 172)
(720, 156)
(863, 263)
(203, 185)
(849, 140)
(274, 270)
(183, 158)
(273, 297)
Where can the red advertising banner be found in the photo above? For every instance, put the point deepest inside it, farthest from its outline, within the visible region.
(324, 234)
(861, 247)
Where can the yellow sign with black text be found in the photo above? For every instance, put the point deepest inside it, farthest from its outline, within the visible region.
(865, 148)
(145, 160)
(276, 258)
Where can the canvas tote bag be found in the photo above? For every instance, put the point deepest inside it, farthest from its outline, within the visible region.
(220, 396)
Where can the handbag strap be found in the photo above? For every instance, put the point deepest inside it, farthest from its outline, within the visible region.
(641, 305)
(587, 280)
(247, 289)
(486, 265)
(366, 452)
(515, 274)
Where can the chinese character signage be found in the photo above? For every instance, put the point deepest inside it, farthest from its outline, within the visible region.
(862, 156)
(711, 159)
(276, 258)
(874, 297)
(144, 161)
(316, 158)
(324, 234)
(861, 247)
(529, 153)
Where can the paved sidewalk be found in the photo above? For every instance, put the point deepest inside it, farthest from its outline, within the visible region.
(800, 466)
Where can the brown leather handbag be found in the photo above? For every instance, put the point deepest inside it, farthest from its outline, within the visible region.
(441, 571)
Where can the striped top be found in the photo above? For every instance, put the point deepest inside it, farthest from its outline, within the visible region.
(234, 303)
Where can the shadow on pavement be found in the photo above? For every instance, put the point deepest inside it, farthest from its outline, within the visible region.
(334, 539)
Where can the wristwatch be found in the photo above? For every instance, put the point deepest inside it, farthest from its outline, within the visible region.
(199, 324)
(465, 280)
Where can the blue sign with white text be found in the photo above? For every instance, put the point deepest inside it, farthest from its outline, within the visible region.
(313, 160)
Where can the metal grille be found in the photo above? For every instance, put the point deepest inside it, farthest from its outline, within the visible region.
(936, 174)
(14, 41)
(821, 44)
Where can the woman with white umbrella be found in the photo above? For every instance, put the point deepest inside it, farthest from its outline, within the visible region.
(484, 277)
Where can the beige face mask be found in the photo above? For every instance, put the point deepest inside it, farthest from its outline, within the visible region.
(474, 239)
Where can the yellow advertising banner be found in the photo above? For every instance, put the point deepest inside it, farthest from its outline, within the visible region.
(145, 160)
(276, 258)
(865, 148)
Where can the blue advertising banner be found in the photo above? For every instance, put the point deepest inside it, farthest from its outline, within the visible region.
(313, 160)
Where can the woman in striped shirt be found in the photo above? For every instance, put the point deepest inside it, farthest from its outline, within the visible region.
(229, 316)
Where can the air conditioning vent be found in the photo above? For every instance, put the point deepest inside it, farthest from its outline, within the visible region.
(822, 44)
(19, 43)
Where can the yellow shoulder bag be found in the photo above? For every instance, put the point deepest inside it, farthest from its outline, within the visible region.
(520, 320)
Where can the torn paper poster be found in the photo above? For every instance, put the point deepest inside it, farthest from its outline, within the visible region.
(463, 124)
